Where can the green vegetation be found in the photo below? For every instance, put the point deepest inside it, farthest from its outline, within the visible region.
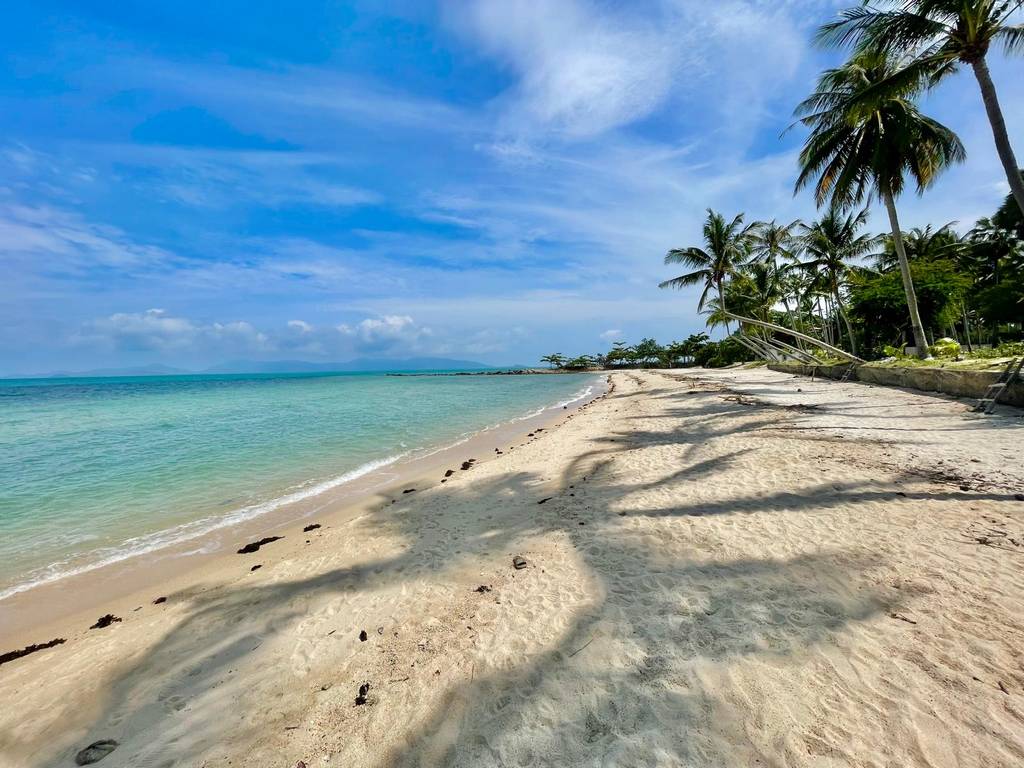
(698, 349)
(832, 289)
(865, 140)
(933, 38)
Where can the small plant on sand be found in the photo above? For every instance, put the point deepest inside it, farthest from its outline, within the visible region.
(945, 348)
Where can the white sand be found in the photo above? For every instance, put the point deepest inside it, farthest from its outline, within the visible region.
(712, 583)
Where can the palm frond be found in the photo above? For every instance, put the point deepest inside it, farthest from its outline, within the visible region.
(691, 257)
(1012, 39)
(685, 281)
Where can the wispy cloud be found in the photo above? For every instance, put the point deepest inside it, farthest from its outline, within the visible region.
(60, 241)
(577, 70)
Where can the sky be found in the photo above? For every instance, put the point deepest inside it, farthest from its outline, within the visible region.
(194, 182)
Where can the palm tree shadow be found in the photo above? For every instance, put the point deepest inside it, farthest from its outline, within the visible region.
(620, 683)
(624, 684)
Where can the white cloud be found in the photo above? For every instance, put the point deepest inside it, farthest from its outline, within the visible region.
(611, 335)
(378, 334)
(155, 330)
(580, 71)
(617, 125)
(160, 332)
(584, 68)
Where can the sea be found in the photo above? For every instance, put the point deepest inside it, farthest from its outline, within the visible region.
(97, 470)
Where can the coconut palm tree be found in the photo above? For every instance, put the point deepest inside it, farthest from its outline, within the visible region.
(726, 247)
(940, 35)
(925, 244)
(832, 245)
(865, 141)
(759, 287)
(776, 245)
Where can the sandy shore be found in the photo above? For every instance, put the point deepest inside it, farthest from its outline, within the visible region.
(745, 569)
(74, 599)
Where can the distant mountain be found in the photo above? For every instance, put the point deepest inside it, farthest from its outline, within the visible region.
(139, 370)
(360, 364)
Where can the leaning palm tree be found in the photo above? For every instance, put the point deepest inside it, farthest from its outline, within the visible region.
(865, 141)
(940, 35)
(832, 245)
(726, 247)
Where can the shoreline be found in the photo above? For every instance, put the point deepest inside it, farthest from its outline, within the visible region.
(71, 597)
(734, 568)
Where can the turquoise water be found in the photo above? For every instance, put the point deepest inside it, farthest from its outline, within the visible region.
(93, 470)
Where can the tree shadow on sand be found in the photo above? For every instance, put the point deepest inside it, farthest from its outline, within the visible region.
(624, 684)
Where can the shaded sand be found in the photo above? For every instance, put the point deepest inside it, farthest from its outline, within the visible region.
(714, 580)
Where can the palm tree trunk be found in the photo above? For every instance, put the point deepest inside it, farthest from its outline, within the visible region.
(793, 319)
(920, 340)
(721, 305)
(846, 321)
(796, 334)
(995, 118)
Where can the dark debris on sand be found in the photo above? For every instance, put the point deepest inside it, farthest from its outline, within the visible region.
(95, 752)
(105, 621)
(12, 655)
(254, 546)
(364, 689)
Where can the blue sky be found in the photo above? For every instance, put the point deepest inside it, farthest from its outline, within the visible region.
(194, 182)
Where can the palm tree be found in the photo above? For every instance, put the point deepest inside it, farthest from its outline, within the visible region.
(925, 244)
(941, 35)
(726, 247)
(992, 254)
(760, 286)
(774, 243)
(832, 244)
(864, 142)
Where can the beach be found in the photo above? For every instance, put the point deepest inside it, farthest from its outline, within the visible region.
(716, 568)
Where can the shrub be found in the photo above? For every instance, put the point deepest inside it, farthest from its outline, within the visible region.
(1006, 349)
(945, 347)
(718, 354)
(895, 352)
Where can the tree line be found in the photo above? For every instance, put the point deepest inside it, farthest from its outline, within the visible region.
(697, 349)
(831, 279)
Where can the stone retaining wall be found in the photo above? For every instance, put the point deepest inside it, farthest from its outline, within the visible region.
(971, 384)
